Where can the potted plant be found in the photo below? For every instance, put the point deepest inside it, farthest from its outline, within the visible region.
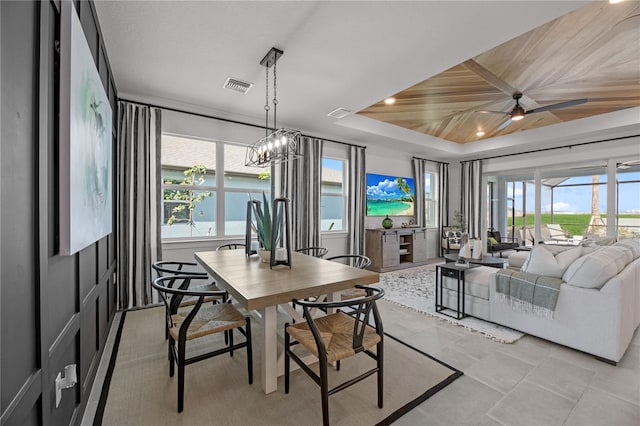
(263, 228)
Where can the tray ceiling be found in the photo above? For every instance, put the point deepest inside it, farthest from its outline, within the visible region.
(592, 52)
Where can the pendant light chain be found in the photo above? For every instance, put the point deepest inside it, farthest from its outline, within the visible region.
(266, 102)
(277, 145)
(275, 97)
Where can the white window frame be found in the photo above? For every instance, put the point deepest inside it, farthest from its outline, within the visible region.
(344, 196)
(218, 189)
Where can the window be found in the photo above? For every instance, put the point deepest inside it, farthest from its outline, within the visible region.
(240, 180)
(628, 185)
(333, 196)
(430, 199)
(195, 196)
(578, 204)
(188, 172)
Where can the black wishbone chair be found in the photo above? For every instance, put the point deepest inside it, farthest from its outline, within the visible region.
(314, 251)
(357, 261)
(171, 268)
(202, 320)
(337, 336)
(231, 246)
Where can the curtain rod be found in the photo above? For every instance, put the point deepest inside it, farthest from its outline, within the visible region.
(427, 159)
(228, 120)
(552, 148)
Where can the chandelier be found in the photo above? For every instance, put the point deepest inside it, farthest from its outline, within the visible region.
(282, 144)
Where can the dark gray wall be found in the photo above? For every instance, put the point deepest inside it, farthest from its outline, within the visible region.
(54, 310)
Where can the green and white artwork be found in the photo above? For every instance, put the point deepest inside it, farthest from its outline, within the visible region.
(90, 149)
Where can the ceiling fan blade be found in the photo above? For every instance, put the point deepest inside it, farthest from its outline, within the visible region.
(559, 105)
(504, 124)
(484, 111)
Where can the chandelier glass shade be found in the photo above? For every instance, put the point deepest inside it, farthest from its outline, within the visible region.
(282, 144)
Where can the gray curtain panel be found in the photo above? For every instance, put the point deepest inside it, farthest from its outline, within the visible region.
(418, 203)
(138, 201)
(306, 177)
(471, 196)
(443, 197)
(356, 207)
(443, 194)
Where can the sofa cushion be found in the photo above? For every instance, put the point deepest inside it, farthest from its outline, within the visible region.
(517, 259)
(476, 282)
(633, 244)
(542, 261)
(595, 269)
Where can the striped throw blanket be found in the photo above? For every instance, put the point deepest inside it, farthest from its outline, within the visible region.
(528, 292)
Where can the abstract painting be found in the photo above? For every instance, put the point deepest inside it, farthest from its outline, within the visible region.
(89, 182)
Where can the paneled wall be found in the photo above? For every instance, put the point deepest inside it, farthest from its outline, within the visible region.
(54, 310)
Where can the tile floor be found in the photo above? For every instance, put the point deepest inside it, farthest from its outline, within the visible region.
(531, 382)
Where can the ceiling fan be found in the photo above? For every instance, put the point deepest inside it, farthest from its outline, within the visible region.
(518, 112)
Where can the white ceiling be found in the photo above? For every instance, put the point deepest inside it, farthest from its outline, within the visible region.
(347, 54)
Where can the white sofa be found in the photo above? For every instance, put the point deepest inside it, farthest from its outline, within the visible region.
(598, 306)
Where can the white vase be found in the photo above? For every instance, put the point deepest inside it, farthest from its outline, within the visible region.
(476, 249)
(265, 255)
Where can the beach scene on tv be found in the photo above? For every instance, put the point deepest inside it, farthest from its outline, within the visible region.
(389, 195)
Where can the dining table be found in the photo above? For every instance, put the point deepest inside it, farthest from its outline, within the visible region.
(258, 287)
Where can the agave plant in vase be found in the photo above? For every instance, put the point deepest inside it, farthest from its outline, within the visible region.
(264, 229)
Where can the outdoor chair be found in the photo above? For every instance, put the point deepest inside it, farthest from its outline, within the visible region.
(314, 251)
(556, 233)
(335, 337)
(497, 244)
(202, 320)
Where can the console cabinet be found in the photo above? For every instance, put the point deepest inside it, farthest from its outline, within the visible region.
(396, 248)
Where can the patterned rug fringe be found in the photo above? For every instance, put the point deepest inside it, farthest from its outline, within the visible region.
(413, 289)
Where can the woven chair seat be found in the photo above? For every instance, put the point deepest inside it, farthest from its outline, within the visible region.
(336, 331)
(209, 319)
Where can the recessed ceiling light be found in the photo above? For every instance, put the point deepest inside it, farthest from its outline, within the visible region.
(479, 133)
(615, 1)
(390, 101)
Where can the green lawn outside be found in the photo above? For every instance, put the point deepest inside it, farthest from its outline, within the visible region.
(574, 224)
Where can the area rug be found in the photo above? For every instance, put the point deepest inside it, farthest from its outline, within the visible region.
(139, 391)
(414, 288)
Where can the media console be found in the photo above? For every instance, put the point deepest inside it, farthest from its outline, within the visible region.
(396, 248)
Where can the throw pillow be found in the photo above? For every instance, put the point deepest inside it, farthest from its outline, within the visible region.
(543, 262)
(595, 269)
(493, 241)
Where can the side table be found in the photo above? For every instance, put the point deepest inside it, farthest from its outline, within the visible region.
(456, 271)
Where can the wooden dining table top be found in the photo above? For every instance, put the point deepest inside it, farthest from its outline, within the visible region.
(255, 285)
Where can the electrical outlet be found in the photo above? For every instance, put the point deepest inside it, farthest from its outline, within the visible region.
(68, 381)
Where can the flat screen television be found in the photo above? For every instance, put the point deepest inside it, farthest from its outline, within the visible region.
(389, 195)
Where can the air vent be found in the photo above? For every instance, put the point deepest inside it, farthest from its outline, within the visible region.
(237, 85)
(339, 113)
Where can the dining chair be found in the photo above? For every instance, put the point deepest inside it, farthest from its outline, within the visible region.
(334, 337)
(172, 268)
(231, 246)
(202, 320)
(314, 251)
(354, 260)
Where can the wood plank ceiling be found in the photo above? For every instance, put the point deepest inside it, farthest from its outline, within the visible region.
(592, 52)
